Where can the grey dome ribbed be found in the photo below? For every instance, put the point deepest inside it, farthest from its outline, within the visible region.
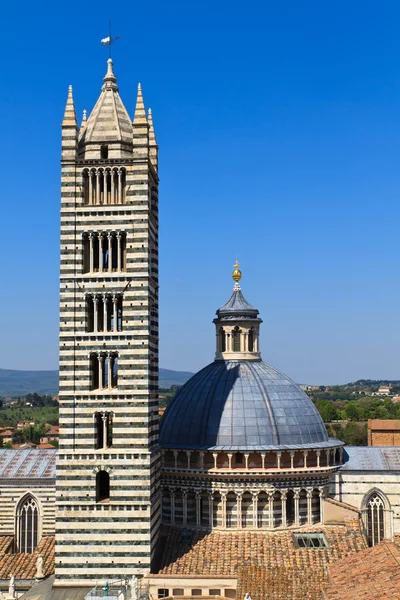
(242, 405)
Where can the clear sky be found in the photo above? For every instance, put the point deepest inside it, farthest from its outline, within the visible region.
(279, 128)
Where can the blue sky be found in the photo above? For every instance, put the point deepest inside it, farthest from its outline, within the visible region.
(279, 129)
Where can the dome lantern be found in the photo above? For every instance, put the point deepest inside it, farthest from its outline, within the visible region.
(237, 326)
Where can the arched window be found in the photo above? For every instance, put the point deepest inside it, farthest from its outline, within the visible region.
(236, 339)
(222, 342)
(375, 520)
(251, 340)
(27, 524)
(102, 487)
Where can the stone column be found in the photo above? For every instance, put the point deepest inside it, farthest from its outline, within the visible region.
(263, 460)
(110, 257)
(201, 460)
(109, 366)
(278, 460)
(327, 457)
(184, 501)
(291, 459)
(239, 508)
(210, 510)
(255, 509)
(112, 198)
(215, 456)
(119, 251)
(271, 509)
(115, 312)
(246, 460)
(198, 508)
(305, 453)
(104, 186)
(97, 186)
(309, 506)
(100, 252)
(105, 300)
(176, 458)
(104, 419)
(101, 366)
(188, 453)
(91, 242)
(172, 494)
(283, 501)
(318, 457)
(90, 191)
(95, 314)
(296, 494)
(223, 497)
(119, 186)
(321, 504)
(230, 461)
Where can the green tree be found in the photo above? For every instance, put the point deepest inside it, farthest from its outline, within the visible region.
(351, 411)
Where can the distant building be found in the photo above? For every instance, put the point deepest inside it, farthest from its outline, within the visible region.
(396, 399)
(384, 390)
(383, 432)
(52, 434)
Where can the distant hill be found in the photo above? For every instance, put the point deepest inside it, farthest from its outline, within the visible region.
(19, 383)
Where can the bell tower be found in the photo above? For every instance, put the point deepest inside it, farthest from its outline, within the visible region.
(108, 499)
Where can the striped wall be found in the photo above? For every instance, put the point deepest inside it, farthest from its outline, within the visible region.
(98, 541)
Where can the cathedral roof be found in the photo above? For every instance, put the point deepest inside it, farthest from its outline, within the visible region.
(240, 405)
(371, 458)
(109, 120)
(27, 463)
(237, 305)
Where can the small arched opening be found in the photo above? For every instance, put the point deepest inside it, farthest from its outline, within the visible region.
(236, 339)
(102, 486)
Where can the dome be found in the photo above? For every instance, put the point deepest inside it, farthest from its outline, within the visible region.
(242, 405)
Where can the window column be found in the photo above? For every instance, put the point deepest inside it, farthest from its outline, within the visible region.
(172, 494)
(115, 312)
(90, 191)
(271, 509)
(101, 367)
(119, 251)
(239, 509)
(318, 458)
(105, 302)
(309, 506)
(119, 186)
(198, 507)
(296, 495)
(96, 314)
(98, 186)
(104, 418)
(184, 502)
(91, 252)
(223, 498)
(100, 252)
(210, 510)
(112, 198)
(321, 504)
(255, 508)
(283, 501)
(109, 366)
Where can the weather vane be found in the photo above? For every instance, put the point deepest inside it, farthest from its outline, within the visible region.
(108, 41)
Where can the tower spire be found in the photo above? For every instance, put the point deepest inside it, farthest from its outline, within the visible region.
(69, 119)
(152, 141)
(140, 112)
(110, 80)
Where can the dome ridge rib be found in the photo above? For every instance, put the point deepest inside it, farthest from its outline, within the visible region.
(265, 396)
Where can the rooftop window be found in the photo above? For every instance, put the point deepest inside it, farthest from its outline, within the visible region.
(310, 540)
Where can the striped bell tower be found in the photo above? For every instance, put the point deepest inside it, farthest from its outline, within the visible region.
(108, 501)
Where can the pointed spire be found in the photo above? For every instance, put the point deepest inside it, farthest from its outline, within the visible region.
(140, 112)
(152, 134)
(110, 79)
(83, 123)
(69, 114)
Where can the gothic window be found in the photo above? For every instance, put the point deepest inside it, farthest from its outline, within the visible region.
(104, 252)
(27, 525)
(375, 520)
(103, 312)
(102, 486)
(103, 370)
(236, 339)
(251, 340)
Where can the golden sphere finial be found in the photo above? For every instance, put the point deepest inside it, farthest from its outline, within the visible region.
(237, 273)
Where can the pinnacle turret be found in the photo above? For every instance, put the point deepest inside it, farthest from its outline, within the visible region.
(152, 140)
(69, 113)
(140, 111)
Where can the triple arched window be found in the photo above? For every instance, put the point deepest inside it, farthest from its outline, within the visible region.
(27, 524)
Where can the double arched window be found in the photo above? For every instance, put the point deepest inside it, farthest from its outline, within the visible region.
(27, 525)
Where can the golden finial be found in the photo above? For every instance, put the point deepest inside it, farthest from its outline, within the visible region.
(237, 273)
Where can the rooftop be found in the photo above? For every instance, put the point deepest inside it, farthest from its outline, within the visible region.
(27, 463)
(371, 458)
